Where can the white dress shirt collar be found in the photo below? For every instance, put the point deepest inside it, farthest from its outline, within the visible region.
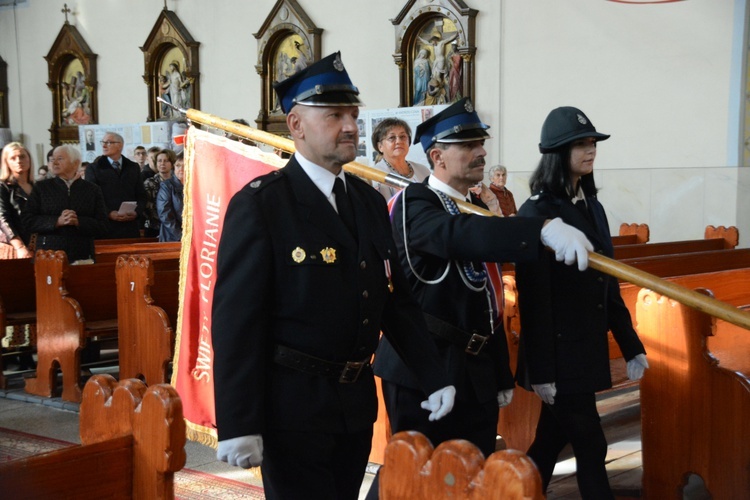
(321, 177)
(441, 186)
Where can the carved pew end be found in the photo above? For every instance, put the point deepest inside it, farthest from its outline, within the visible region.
(455, 469)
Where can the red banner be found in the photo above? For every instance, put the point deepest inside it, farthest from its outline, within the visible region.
(215, 169)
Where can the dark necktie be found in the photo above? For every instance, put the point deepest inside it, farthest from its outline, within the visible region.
(344, 206)
(116, 164)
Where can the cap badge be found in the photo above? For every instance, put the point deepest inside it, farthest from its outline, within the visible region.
(329, 255)
(468, 106)
(255, 184)
(298, 255)
(582, 120)
(337, 63)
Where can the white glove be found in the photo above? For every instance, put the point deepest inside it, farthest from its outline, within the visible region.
(637, 366)
(504, 398)
(570, 244)
(243, 451)
(440, 402)
(546, 392)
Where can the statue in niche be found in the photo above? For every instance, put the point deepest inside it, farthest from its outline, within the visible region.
(442, 83)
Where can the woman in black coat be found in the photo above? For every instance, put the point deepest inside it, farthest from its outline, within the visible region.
(565, 313)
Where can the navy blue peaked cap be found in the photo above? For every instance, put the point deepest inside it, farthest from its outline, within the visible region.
(323, 83)
(456, 123)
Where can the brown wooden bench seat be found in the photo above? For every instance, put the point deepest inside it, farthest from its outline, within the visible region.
(133, 441)
(76, 304)
(147, 303)
(455, 469)
(631, 234)
(695, 398)
(110, 253)
(17, 300)
(518, 421)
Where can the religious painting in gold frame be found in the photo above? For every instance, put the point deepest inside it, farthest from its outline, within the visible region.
(72, 80)
(288, 41)
(75, 95)
(435, 52)
(171, 68)
(175, 86)
(290, 56)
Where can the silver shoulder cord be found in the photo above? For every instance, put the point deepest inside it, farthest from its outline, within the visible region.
(463, 276)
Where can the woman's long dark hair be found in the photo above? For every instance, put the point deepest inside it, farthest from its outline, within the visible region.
(552, 176)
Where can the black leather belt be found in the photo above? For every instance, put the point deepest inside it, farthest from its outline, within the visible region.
(347, 372)
(471, 342)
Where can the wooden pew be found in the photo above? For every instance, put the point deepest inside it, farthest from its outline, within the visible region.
(17, 298)
(691, 263)
(110, 253)
(18, 287)
(517, 423)
(455, 469)
(695, 399)
(147, 303)
(133, 441)
(716, 239)
(75, 304)
(631, 234)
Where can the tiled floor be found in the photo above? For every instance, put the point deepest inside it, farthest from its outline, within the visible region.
(621, 418)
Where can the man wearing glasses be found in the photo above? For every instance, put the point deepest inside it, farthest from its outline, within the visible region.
(119, 180)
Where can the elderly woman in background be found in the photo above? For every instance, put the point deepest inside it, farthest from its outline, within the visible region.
(498, 178)
(391, 139)
(169, 204)
(66, 212)
(16, 184)
(165, 160)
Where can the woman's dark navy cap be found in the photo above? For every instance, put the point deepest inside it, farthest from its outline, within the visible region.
(323, 83)
(563, 126)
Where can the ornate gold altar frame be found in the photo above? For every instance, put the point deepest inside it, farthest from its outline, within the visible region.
(445, 30)
(288, 41)
(171, 67)
(72, 79)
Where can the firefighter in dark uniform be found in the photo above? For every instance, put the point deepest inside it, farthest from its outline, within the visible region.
(301, 297)
(565, 315)
(443, 253)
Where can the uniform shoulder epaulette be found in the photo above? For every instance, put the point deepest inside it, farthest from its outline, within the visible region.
(261, 182)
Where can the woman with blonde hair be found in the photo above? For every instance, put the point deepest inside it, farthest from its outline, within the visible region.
(16, 183)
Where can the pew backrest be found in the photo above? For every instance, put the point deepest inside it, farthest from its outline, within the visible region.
(455, 469)
(147, 303)
(133, 441)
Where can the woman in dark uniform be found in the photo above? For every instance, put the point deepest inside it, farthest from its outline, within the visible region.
(566, 313)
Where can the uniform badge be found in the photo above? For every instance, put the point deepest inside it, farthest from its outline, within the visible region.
(254, 184)
(337, 64)
(468, 106)
(329, 255)
(298, 255)
(582, 120)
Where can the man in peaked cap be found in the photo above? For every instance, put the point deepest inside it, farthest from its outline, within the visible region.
(307, 279)
(445, 254)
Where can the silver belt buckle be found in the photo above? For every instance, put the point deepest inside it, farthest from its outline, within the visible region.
(476, 342)
(351, 371)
